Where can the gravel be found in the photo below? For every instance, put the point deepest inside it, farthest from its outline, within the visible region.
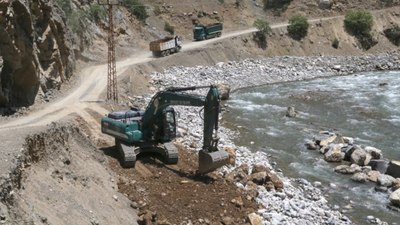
(301, 202)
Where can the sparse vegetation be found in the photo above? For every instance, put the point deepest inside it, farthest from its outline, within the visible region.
(260, 36)
(335, 43)
(262, 26)
(393, 34)
(77, 22)
(221, 1)
(96, 12)
(238, 3)
(298, 27)
(169, 28)
(137, 9)
(280, 5)
(157, 10)
(359, 23)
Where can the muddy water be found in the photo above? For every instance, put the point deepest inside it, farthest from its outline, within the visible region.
(363, 106)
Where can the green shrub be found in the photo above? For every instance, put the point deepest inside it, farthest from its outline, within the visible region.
(262, 26)
(170, 29)
(393, 34)
(96, 12)
(358, 22)
(65, 6)
(77, 21)
(298, 27)
(137, 9)
(335, 43)
(221, 1)
(260, 36)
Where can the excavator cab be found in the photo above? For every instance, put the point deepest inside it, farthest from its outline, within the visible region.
(169, 124)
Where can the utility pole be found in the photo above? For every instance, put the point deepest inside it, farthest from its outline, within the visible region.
(112, 93)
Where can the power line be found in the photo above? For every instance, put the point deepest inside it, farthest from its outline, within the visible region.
(112, 92)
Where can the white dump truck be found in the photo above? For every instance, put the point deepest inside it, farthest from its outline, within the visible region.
(166, 46)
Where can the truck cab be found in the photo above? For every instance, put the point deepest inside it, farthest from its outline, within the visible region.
(199, 33)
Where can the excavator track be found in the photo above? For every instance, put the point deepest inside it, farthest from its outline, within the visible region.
(127, 153)
(171, 153)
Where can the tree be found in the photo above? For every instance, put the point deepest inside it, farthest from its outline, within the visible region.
(261, 35)
(137, 9)
(298, 27)
(358, 22)
(393, 34)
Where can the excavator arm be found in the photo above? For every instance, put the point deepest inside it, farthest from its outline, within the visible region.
(210, 157)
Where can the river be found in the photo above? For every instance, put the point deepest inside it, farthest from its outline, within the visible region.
(364, 106)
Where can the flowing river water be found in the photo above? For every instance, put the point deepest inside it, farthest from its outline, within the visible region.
(364, 106)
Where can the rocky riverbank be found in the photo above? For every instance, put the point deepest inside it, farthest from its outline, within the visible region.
(299, 202)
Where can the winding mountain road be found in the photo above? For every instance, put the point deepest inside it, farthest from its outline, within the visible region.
(93, 81)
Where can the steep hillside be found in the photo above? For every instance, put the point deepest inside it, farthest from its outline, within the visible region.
(43, 40)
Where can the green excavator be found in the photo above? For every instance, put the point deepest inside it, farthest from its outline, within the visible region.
(154, 129)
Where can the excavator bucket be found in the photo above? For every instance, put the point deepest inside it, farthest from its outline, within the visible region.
(209, 161)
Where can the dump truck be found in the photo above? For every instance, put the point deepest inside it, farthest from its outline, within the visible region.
(153, 130)
(166, 46)
(201, 32)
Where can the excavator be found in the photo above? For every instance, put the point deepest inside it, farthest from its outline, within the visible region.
(154, 129)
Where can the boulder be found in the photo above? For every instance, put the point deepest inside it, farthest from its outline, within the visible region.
(348, 140)
(259, 178)
(379, 165)
(385, 180)
(310, 145)
(251, 189)
(278, 184)
(394, 169)
(360, 157)
(269, 186)
(348, 150)
(232, 155)
(346, 169)
(291, 112)
(396, 184)
(334, 154)
(255, 219)
(374, 152)
(224, 91)
(360, 177)
(395, 198)
(324, 142)
(373, 175)
(259, 168)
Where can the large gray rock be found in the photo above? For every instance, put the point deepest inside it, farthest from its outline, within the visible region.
(360, 157)
(395, 198)
(346, 169)
(360, 177)
(385, 180)
(394, 169)
(379, 165)
(334, 154)
(224, 91)
(255, 219)
(374, 152)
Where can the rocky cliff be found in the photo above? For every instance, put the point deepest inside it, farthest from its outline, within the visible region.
(35, 50)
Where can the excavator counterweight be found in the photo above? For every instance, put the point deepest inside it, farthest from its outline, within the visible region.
(154, 129)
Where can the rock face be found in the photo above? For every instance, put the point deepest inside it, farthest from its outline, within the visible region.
(35, 50)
